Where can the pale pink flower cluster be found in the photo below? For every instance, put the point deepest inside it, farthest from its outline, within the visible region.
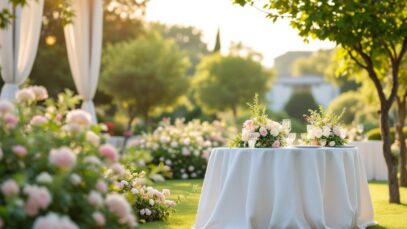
(145, 211)
(79, 118)
(99, 218)
(271, 127)
(10, 188)
(95, 198)
(6, 107)
(19, 150)
(118, 169)
(40, 93)
(10, 120)
(119, 206)
(63, 158)
(101, 186)
(109, 152)
(38, 120)
(54, 221)
(25, 95)
(38, 198)
(92, 138)
(324, 131)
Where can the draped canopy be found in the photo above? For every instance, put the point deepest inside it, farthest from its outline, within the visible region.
(18, 44)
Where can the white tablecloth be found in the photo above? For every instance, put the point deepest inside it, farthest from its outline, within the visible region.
(285, 188)
(371, 153)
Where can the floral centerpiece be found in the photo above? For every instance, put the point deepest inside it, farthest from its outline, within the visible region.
(261, 130)
(184, 147)
(56, 169)
(324, 128)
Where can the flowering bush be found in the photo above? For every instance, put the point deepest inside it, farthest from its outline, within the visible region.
(260, 129)
(150, 204)
(184, 147)
(56, 170)
(324, 128)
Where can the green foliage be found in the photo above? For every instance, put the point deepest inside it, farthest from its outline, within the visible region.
(374, 134)
(299, 103)
(226, 83)
(258, 110)
(284, 64)
(144, 74)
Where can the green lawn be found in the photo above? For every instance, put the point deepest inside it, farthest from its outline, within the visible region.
(388, 215)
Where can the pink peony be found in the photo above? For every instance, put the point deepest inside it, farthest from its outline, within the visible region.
(92, 138)
(118, 169)
(19, 150)
(95, 199)
(38, 198)
(109, 152)
(99, 219)
(276, 144)
(38, 120)
(40, 92)
(263, 131)
(119, 206)
(10, 120)
(101, 186)
(63, 158)
(6, 107)
(10, 188)
(25, 96)
(79, 117)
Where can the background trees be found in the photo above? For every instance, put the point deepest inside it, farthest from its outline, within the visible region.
(370, 32)
(144, 74)
(227, 83)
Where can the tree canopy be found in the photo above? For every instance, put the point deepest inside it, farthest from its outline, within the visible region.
(144, 74)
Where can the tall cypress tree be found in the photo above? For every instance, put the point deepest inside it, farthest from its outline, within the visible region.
(217, 44)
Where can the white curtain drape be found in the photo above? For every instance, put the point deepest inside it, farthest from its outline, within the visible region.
(18, 45)
(84, 44)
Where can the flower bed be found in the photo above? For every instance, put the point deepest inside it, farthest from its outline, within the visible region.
(184, 147)
(56, 170)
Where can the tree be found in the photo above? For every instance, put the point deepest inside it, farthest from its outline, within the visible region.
(188, 39)
(227, 83)
(144, 74)
(370, 31)
(300, 102)
(217, 47)
(401, 114)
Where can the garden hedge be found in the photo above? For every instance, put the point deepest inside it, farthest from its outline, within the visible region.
(374, 134)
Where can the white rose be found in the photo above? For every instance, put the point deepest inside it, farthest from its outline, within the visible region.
(44, 177)
(151, 202)
(245, 135)
(274, 131)
(317, 132)
(332, 143)
(337, 130)
(92, 138)
(326, 131)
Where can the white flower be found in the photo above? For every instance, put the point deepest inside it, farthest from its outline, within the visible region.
(326, 131)
(92, 138)
(332, 143)
(79, 117)
(44, 177)
(6, 107)
(337, 130)
(151, 202)
(191, 168)
(134, 191)
(148, 211)
(245, 135)
(184, 176)
(142, 211)
(174, 144)
(75, 179)
(40, 92)
(25, 96)
(92, 160)
(95, 198)
(52, 220)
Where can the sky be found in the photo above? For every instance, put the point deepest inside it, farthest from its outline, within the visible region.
(237, 24)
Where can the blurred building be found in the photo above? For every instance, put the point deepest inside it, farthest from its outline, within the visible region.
(286, 84)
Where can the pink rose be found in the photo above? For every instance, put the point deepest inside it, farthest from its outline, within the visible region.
(10, 120)
(38, 120)
(109, 152)
(40, 92)
(63, 158)
(95, 199)
(10, 188)
(119, 206)
(25, 96)
(19, 150)
(276, 144)
(6, 107)
(118, 169)
(336, 130)
(101, 186)
(263, 131)
(38, 198)
(79, 117)
(99, 219)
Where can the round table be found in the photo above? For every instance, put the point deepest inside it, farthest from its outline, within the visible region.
(371, 153)
(285, 188)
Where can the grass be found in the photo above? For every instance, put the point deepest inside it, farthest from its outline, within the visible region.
(389, 216)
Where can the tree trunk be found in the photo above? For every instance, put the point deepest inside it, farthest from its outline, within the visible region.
(127, 134)
(146, 118)
(391, 160)
(401, 116)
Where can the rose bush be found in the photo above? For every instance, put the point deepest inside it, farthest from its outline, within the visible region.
(184, 147)
(56, 170)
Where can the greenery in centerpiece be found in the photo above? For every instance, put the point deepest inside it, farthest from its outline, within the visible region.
(325, 128)
(266, 132)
